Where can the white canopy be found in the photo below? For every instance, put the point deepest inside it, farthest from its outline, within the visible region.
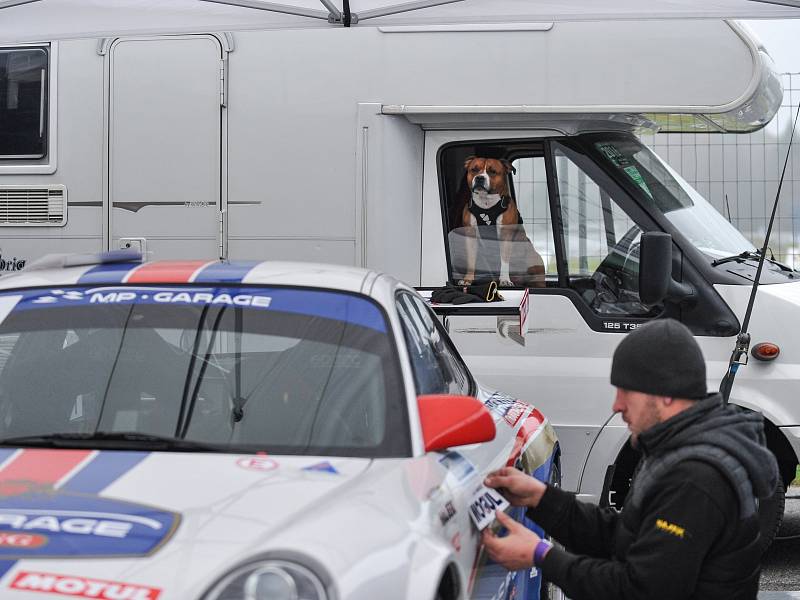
(37, 20)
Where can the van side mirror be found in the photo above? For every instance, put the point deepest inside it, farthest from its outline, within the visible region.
(655, 271)
(450, 420)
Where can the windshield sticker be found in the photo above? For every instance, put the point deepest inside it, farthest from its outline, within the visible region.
(315, 303)
(80, 587)
(637, 178)
(619, 160)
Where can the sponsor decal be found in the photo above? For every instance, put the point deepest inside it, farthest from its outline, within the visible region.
(63, 524)
(8, 265)
(447, 512)
(257, 463)
(81, 587)
(337, 306)
(22, 540)
(510, 409)
(457, 464)
(49, 507)
(485, 502)
(131, 295)
(322, 467)
(523, 313)
(670, 528)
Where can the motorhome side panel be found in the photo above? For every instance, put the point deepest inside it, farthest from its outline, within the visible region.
(74, 160)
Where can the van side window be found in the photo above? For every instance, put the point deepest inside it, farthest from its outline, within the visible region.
(437, 368)
(23, 102)
(601, 243)
(497, 216)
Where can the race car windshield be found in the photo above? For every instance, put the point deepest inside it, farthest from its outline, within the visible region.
(281, 370)
(666, 191)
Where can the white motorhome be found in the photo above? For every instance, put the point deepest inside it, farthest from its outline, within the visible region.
(347, 145)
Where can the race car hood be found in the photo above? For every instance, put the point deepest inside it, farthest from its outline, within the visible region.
(79, 522)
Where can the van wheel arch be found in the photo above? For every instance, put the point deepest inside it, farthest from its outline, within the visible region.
(620, 473)
(782, 449)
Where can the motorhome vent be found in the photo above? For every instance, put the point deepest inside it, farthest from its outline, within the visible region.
(37, 206)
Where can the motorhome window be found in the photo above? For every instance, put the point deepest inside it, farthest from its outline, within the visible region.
(23, 103)
(667, 192)
(601, 243)
(497, 215)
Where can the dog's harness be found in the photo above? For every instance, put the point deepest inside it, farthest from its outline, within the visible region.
(489, 216)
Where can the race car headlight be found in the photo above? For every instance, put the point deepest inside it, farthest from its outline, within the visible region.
(269, 580)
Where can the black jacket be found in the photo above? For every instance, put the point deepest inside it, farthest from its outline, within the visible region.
(689, 528)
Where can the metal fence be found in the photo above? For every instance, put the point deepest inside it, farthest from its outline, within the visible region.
(739, 174)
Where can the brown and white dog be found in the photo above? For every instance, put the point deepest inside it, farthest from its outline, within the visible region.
(490, 204)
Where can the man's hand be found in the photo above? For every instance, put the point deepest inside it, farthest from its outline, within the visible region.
(515, 550)
(517, 487)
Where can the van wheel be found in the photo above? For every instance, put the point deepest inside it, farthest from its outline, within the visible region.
(549, 590)
(770, 516)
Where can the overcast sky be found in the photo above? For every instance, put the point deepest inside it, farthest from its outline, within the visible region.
(782, 40)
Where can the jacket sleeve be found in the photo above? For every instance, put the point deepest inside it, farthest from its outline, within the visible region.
(580, 527)
(678, 527)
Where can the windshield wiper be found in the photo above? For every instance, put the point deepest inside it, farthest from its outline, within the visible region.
(116, 439)
(747, 255)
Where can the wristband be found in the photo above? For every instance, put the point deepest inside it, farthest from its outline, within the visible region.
(542, 548)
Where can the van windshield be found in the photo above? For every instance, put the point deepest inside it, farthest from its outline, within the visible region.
(667, 192)
(281, 370)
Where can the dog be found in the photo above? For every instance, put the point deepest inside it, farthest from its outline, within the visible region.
(491, 205)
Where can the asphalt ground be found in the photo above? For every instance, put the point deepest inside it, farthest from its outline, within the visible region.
(780, 575)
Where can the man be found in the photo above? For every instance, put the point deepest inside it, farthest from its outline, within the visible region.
(690, 525)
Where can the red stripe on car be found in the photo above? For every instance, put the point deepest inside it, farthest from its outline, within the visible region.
(529, 427)
(167, 271)
(33, 467)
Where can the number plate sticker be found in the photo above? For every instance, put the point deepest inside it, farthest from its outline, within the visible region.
(485, 501)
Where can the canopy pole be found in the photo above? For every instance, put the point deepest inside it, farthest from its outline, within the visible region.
(258, 5)
(399, 8)
(9, 3)
(794, 3)
(333, 11)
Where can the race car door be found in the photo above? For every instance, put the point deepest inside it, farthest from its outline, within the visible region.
(166, 120)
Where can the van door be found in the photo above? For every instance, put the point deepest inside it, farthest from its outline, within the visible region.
(583, 230)
(165, 192)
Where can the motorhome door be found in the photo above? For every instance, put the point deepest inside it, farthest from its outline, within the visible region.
(165, 192)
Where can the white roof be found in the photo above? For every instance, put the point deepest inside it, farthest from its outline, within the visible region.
(37, 20)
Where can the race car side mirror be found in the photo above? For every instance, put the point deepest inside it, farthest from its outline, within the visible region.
(450, 420)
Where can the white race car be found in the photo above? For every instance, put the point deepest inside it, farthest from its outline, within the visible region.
(195, 430)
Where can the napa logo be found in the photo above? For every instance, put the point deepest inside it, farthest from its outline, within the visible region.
(58, 524)
(670, 528)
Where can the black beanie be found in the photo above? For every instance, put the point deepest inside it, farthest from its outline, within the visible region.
(660, 358)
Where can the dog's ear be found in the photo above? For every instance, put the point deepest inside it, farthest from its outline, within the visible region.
(509, 167)
(468, 160)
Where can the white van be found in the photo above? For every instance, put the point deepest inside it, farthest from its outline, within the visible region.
(348, 145)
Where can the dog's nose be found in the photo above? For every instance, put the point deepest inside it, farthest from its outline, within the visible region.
(480, 181)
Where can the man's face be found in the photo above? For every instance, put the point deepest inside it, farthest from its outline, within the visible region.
(640, 411)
